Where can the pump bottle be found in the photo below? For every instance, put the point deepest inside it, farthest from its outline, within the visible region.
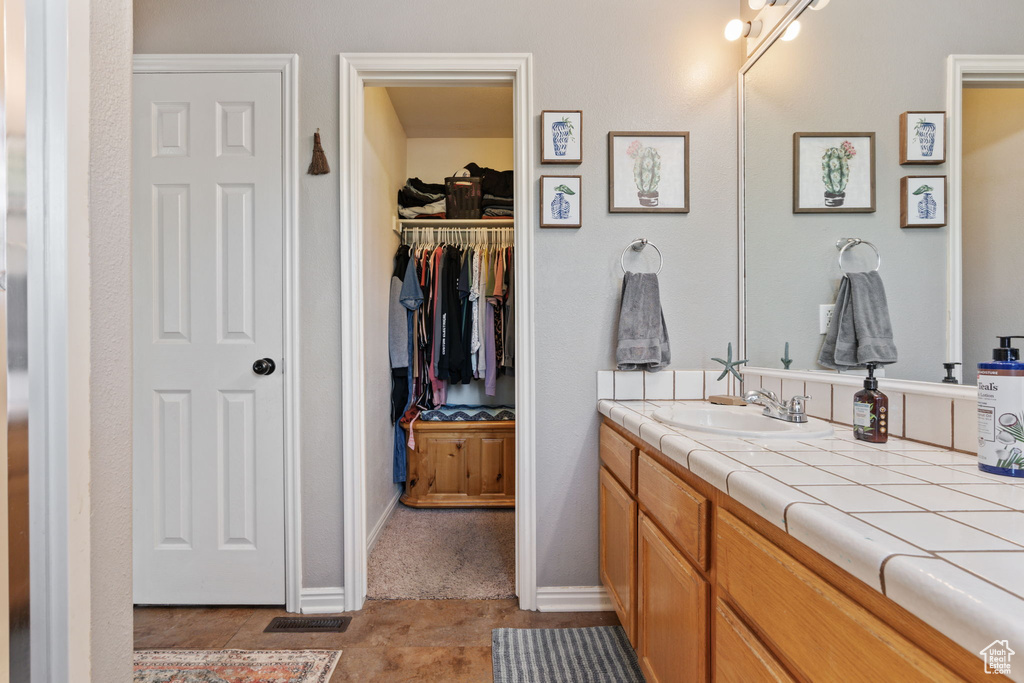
(1001, 411)
(871, 411)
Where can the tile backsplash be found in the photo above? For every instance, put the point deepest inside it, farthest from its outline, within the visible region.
(666, 385)
(947, 421)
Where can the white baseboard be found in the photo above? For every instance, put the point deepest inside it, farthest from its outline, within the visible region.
(573, 599)
(322, 600)
(371, 540)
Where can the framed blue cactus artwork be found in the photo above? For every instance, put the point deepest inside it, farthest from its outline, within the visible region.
(561, 137)
(833, 172)
(923, 137)
(923, 201)
(648, 172)
(560, 201)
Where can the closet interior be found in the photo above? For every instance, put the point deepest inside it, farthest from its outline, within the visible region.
(439, 307)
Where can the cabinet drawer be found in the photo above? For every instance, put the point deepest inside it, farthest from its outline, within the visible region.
(823, 633)
(739, 656)
(619, 456)
(680, 510)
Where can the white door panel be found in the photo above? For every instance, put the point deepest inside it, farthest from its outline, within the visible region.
(208, 268)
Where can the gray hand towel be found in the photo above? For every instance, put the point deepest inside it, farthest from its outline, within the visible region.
(860, 332)
(643, 336)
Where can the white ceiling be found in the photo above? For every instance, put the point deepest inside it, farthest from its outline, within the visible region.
(454, 112)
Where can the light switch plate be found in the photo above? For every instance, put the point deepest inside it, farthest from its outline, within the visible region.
(825, 317)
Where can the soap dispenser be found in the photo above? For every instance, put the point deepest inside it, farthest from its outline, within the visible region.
(1001, 411)
(871, 411)
(949, 378)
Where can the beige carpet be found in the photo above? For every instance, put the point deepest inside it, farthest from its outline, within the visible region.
(444, 554)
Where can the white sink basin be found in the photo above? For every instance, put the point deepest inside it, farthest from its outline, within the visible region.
(744, 422)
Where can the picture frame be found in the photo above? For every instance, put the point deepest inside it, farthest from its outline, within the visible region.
(849, 187)
(923, 136)
(561, 204)
(649, 172)
(924, 201)
(561, 136)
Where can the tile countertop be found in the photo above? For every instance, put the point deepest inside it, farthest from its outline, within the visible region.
(918, 523)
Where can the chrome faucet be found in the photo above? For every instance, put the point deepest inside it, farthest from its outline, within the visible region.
(787, 411)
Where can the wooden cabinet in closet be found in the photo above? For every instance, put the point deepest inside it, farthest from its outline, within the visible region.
(462, 464)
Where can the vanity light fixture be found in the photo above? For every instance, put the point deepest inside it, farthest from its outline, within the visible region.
(738, 28)
(757, 5)
(792, 31)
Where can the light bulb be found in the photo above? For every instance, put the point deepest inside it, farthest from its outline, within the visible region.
(792, 31)
(756, 4)
(818, 4)
(734, 29)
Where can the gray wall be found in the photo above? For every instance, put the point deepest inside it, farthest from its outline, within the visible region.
(993, 182)
(111, 344)
(856, 66)
(659, 65)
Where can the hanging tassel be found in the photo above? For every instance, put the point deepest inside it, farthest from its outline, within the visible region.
(318, 166)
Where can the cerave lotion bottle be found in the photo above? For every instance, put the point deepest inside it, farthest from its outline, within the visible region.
(1001, 411)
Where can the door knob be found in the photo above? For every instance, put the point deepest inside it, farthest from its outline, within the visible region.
(264, 366)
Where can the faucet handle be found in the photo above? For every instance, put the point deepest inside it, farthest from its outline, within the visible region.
(796, 404)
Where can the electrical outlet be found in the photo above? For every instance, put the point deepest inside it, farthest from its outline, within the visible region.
(825, 317)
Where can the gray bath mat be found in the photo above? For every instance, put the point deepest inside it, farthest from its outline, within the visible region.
(600, 654)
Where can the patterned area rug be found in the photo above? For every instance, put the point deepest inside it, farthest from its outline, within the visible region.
(235, 666)
(600, 654)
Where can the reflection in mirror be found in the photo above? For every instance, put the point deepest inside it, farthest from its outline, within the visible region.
(856, 66)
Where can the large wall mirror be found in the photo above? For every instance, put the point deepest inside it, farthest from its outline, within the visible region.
(853, 69)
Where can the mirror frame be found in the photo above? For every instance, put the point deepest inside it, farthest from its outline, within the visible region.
(961, 70)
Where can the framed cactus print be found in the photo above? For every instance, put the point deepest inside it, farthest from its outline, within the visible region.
(560, 201)
(561, 137)
(648, 172)
(833, 172)
(923, 201)
(923, 137)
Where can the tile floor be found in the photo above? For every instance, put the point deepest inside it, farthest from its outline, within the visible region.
(389, 640)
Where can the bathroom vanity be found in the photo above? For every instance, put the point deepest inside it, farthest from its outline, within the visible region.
(795, 559)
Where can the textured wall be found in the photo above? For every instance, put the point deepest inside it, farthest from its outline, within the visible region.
(111, 330)
(993, 171)
(658, 65)
(827, 80)
(383, 173)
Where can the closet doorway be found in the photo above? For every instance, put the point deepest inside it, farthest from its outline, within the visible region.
(408, 122)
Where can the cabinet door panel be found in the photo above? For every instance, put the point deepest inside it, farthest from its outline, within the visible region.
(739, 656)
(447, 466)
(672, 611)
(618, 549)
(492, 465)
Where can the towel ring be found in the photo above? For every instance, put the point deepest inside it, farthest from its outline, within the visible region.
(845, 243)
(638, 245)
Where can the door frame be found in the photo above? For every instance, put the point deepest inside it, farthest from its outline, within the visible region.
(288, 66)
(962, 70)
(358, 70)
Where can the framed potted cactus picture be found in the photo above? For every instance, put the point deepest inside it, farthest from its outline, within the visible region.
(648, 172)
(561, 137)
(833, 172)
(923, 201)
(560, 201)
(923, 137)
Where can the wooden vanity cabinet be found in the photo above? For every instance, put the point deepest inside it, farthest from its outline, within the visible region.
(709, 591)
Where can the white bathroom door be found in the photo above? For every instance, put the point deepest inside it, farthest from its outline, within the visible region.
(208, 298)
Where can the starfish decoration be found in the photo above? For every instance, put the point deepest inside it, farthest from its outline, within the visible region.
(786, 360)
(730, 365)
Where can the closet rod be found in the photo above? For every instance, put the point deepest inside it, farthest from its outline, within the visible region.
(453, 223)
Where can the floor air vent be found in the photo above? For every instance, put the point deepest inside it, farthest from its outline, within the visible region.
(308, 625)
